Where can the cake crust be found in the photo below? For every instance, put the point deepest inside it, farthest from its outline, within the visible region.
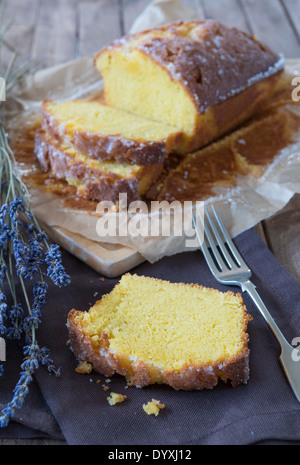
(212, 61)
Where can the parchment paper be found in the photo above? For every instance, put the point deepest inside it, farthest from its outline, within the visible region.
(242, 207)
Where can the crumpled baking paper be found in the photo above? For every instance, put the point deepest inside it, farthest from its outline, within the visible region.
(241, 207)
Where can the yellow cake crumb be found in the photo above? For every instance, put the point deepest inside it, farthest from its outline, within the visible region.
(153, 407)
(84, 368)
(115, 398)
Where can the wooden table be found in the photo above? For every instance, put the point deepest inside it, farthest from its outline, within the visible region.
(60, 30)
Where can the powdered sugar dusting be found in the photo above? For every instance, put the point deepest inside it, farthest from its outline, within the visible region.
(213, 62)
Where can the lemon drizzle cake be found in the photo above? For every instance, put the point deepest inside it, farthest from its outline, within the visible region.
(104, 133)
(154, 331)
(200, 76)
(93, 179)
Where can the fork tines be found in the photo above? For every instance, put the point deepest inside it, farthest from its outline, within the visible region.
(217, 245)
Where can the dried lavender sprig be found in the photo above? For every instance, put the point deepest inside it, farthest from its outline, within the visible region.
(28, 325)
(28, 264)
(22, 253)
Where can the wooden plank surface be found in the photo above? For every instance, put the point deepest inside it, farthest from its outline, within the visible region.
(99, 22)
(272, 26)
(54, 37)
(131, 9)
(292, 10)
(21, 32)
(228, 12)
(60, 30)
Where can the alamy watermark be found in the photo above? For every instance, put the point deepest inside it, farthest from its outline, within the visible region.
(296, 351)
(2, 341)
(150, 220)
(2, 90)
(296, 91)
(2, 350)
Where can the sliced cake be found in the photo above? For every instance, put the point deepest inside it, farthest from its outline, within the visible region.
(94, 179)
(199, 76)
(154, 331)
(106, 133)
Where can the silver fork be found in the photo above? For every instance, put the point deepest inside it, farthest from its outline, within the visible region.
(229, 268)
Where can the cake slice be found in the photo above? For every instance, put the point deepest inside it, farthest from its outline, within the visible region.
(94, 179)
(154, 331)
(104, 133)
(199, 76)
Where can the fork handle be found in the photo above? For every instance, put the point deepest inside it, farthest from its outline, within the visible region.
(250, 288)
(289, 364)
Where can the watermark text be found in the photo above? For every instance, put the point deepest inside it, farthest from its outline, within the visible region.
(296, 91)
(150, 220)
(2, 350)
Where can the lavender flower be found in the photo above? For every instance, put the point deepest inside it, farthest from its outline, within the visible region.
(55, 269)
(14, 331)
(3, 316)
(15, 206)
(15, 312)
(3, 270)
(20, 392)
(4, 228)
(39, 293)
(28, 257)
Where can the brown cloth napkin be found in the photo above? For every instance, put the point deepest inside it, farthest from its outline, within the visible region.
(35, 419)
(264, 409)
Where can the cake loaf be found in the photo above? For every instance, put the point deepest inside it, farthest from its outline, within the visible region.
(154, 331)
(201, 77)
(93, 179)
(106, 133)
